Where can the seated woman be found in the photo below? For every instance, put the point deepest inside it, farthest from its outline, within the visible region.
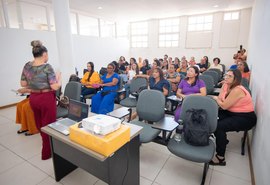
(216, 64)
(145, 67)
(155, 64)
(131, 73)
(173, 77)
(244, 69)
(236, 113)
(103, 101)
(89, 80)
(182, 70)
(203, 65)
(157, 82)
(190, 85)
(25, 116)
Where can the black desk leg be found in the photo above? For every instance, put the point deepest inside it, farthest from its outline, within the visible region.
(124, 166)
(61, 166)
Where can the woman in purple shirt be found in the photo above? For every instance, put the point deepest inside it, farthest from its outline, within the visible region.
(190, 85)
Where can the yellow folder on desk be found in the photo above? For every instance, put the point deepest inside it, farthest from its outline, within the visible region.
(105, 145)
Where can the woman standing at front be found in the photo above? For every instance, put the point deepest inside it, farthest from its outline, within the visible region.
(236, 113)
(39, 77)
(103, 101)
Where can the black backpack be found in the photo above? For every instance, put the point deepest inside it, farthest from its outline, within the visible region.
(196, 130)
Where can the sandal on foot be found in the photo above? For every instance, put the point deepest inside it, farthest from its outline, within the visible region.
(21, 131)
(221, 162)
(28, 134)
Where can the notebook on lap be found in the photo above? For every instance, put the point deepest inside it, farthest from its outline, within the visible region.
(76, 112)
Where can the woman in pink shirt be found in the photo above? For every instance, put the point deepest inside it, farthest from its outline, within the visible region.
(236, 112)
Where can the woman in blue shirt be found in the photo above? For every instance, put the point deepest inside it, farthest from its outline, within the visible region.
(157, 82)
(103, 101)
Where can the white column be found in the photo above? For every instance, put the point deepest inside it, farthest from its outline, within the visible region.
(64, 39)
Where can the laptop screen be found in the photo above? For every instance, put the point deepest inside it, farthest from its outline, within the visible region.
(77, 110)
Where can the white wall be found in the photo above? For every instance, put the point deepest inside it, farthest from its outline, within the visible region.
(259, 60)
(225, 53)
(16, 51)
(101, 51)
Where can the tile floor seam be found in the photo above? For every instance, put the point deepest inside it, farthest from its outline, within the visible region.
(11, 167)
(146, 178)
(38, 167)
(232, 175)
(161, 169)
(47, 178)
(96, 182)
(210, 178)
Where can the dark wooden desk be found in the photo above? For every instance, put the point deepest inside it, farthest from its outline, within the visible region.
(122, 167)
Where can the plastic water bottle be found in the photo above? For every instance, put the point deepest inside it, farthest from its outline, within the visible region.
(177, 137)
(178, 133)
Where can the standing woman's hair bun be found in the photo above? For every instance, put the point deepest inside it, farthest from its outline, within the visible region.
(38, 49)
(36, 43)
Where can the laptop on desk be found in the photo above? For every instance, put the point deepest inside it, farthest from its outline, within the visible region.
(76, 112)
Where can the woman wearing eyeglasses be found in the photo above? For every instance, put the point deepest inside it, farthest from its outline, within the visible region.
(236, 112)
(103, 101)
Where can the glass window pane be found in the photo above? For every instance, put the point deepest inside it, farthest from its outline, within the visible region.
(52, 22)
(192, 20)
(2, 19)
(88, 26)
(192, 27)
(73, 22)
(122, 30)
(208, 19)
(174, 43)
(235, 15)
(162, 23)
(199, 27)
(175, 37)
(162, 29)
(161, 37)
(34, 16)
(161, 43)
(227, 16)
(12, 14)
(144, 44)
(208, 26)
(107, 28)
(175, 22)
(200, 19)
(168, 44)
(175, 28)
(168, 29)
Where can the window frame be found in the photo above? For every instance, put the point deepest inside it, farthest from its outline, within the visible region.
(170, 36)
(140, 36)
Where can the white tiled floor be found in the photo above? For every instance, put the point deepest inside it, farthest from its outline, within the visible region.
(20, 163)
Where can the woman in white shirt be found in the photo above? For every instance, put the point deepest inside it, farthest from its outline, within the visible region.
(216, 64)
(131, 73)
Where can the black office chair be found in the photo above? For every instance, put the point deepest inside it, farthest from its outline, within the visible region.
(199, 154)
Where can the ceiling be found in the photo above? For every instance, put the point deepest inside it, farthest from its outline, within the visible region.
(135, 10)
